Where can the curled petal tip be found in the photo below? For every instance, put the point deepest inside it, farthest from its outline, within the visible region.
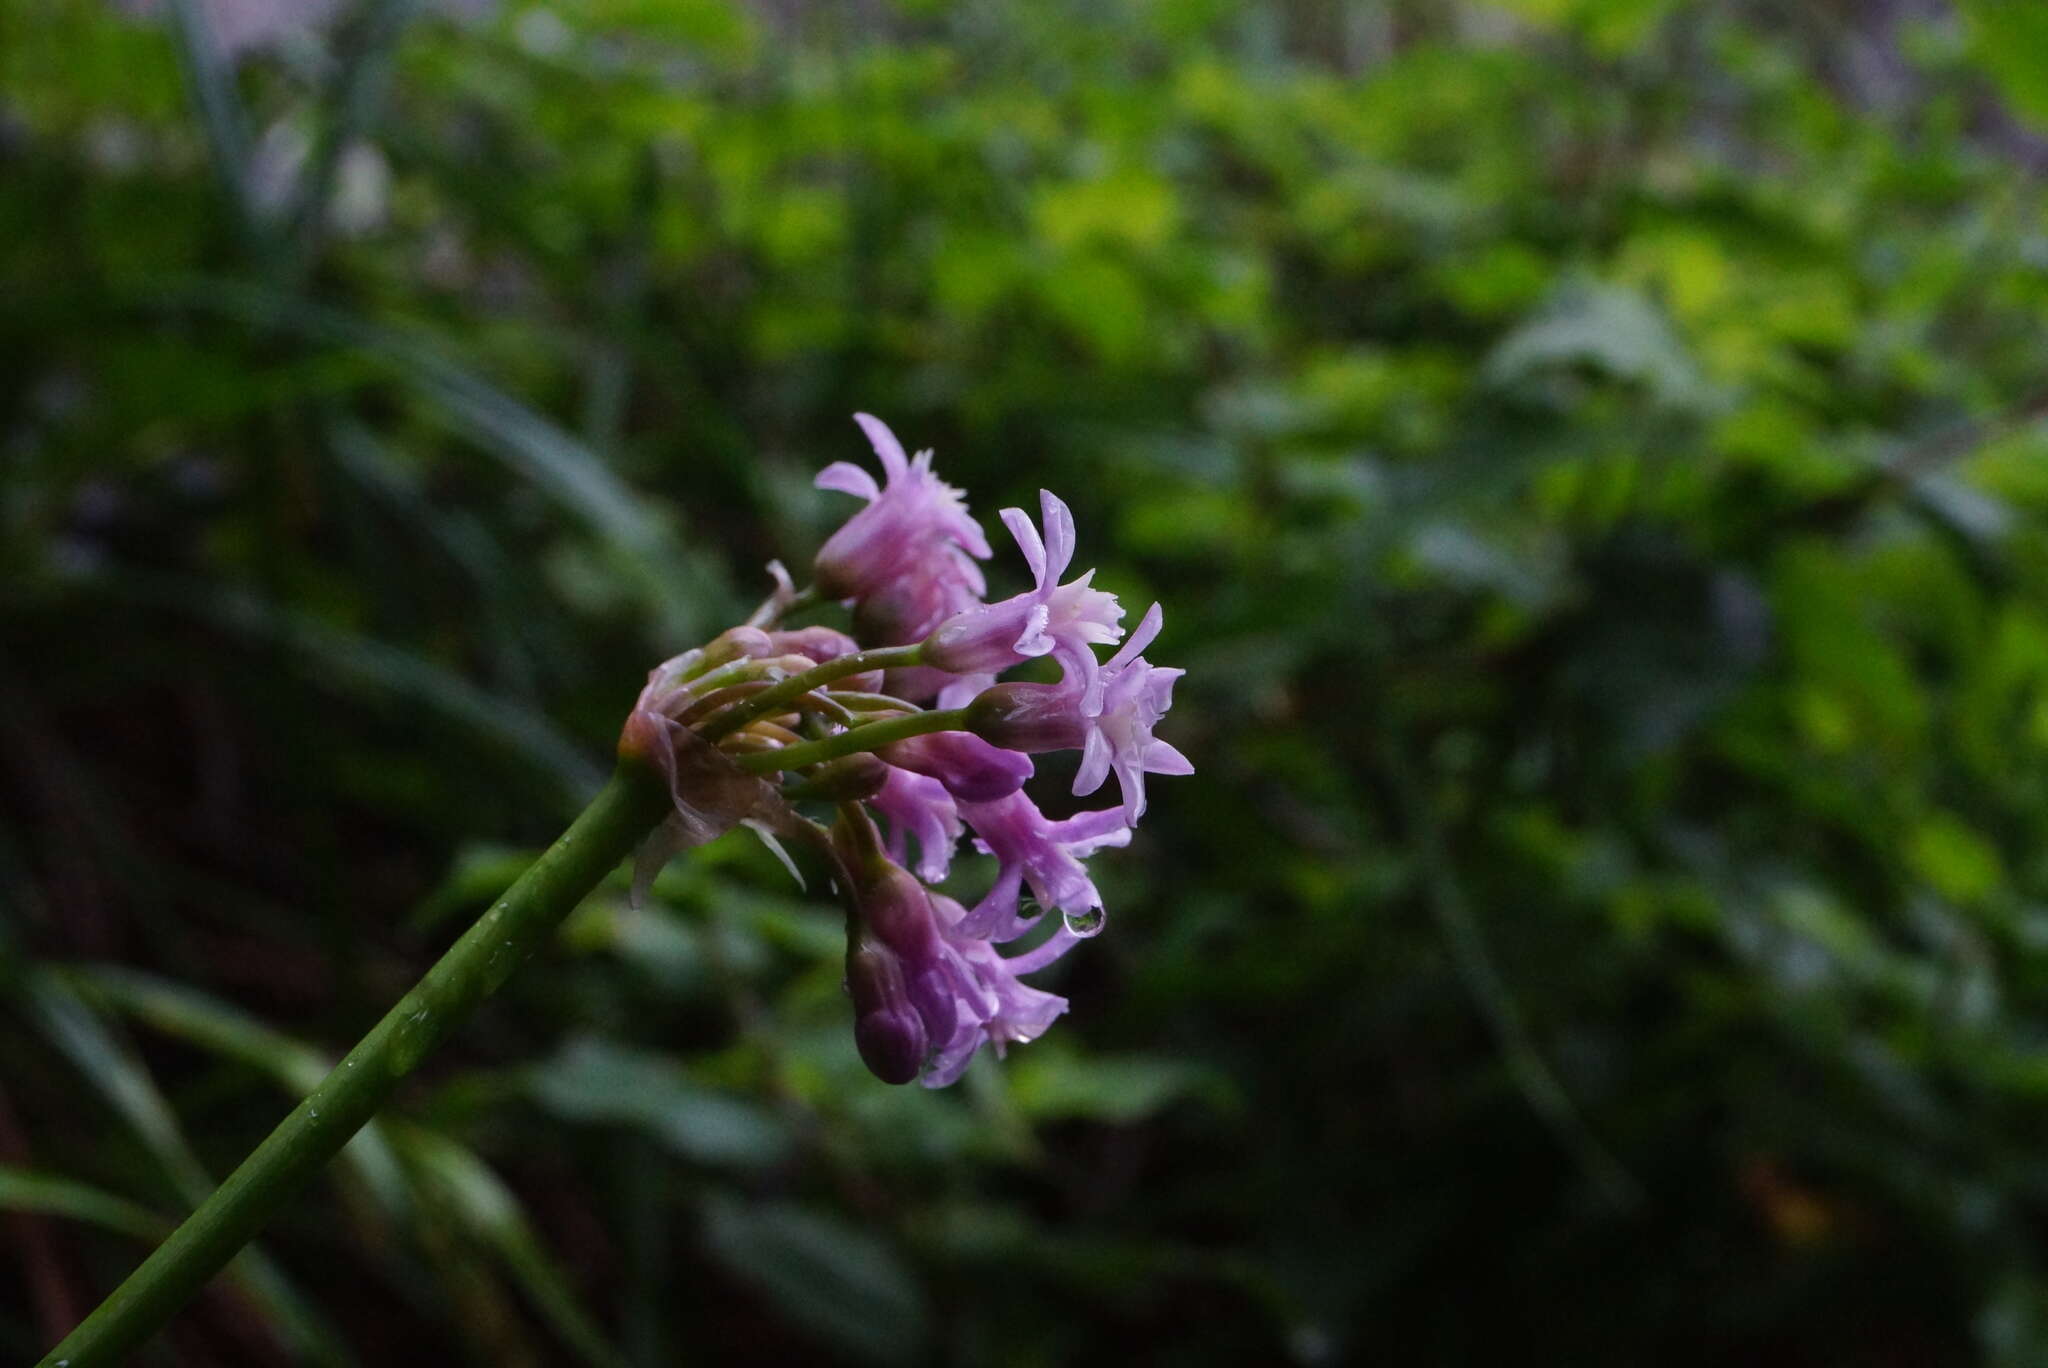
(884, 442)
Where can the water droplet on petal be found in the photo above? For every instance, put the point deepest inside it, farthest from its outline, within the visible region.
(1029, 908)
(1086, 922)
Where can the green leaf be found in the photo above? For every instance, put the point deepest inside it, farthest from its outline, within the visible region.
(112, 1068)
(2010, 39)
(526, 441)
(1608, 330)
(376, 667)
(844, 1284)
(1054, 1084)
(231, 1033)
(594, 1080)
(50, 1195)
(491, 1213)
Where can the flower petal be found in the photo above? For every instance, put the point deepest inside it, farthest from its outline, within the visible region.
(1019, 523)
(847, 478)
(1162, 758)
(886, 446)
(1095, 756)
(1141, 636)
(1033, 641)
(1063, 939)
(1059, 534)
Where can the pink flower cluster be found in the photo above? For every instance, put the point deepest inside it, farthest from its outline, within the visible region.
(907, 563)
(934, 749)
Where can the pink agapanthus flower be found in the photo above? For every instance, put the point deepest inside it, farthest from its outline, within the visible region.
(907, 560)
(1065, 621)
(1032, 850)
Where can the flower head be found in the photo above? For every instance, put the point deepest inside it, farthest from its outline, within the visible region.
(764, 718)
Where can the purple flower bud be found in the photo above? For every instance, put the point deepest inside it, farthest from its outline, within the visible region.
(971, 769)
(896, 907)
(814, 644)
(900, 912)
(887, 1030)
(1033, 718)
(818, 645)
(897, 910)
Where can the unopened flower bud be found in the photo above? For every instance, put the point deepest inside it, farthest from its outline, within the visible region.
(736, 643)
(887, 1030)
(897, 910)
(1032, 718)
(820, 644)
(972, 770)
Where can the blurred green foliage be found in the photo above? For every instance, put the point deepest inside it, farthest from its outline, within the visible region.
(1591, 456)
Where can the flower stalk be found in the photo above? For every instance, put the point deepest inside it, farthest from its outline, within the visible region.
(616, 821)
(870, 737)
(776, 697)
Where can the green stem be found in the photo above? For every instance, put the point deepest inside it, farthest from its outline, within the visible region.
(851, 742)
(616, 820)
(769, 700)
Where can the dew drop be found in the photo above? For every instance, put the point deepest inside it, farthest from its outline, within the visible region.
(1084, 923)
(1029, 908)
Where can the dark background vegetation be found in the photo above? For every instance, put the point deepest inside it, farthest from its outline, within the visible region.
(1590, 455)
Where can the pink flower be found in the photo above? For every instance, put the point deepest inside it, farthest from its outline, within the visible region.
(1046, 855)
(1064, 621)
(906, 561)
(994, 1006)
(917, 806)
(1116, 737)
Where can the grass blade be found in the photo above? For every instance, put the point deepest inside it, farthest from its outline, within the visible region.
(111, 1068)
(47, 1194)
